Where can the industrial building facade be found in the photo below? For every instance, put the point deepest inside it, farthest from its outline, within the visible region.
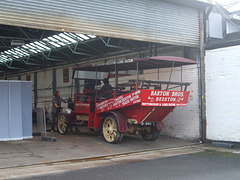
(61, 35)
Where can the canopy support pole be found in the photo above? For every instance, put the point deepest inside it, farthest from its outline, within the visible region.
(96, 84)
(137, 75)
(116, 76)
(170, 76)
(181, 78)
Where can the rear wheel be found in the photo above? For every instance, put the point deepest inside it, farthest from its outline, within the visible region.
(62, 125)
(110, 130)
(151, 135)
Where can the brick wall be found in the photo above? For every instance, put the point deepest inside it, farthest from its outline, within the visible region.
(223, 94)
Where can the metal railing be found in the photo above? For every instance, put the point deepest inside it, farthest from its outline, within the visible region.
(41, 121)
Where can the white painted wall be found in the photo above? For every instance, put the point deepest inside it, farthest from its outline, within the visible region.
(184, 121)
(223, 94)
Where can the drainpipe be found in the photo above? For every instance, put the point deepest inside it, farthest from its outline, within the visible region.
(203, 121)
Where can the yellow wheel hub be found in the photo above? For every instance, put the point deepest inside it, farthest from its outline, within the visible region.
(110, 129)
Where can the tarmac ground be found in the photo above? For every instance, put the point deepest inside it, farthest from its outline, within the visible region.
(207, 165)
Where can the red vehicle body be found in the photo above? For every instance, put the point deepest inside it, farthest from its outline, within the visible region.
(135, 107)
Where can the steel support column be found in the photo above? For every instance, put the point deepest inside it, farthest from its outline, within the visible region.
(150, 49)
(77, 86)
(155, 49)
(35, 90)
(54, 81)
(4, 76)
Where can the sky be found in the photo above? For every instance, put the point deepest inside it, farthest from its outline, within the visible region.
(230, 5)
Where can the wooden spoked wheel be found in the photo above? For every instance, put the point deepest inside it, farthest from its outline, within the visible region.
(62, 125)
(110, 130)
(152, 135)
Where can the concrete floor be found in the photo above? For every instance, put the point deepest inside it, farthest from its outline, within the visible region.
(81, 145)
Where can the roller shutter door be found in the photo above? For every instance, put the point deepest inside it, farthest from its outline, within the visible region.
(144, 20)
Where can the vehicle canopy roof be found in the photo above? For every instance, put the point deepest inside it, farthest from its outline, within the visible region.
(131, 64)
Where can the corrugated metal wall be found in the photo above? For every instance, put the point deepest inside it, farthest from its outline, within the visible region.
(145, 20)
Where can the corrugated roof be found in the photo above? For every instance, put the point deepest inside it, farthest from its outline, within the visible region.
(46, 44)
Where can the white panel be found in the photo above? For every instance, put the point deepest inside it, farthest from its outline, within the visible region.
(222, 94)
(230, 28)
(4, 110)
(145, 20)
(15, 109)
(215, 25)
(26, 89)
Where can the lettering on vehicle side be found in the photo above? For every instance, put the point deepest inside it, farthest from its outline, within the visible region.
(81, 106)
(167, 93)
(120, 101)
(168, 99)
(160, 93)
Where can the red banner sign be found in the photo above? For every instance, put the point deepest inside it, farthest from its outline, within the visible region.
(146, 97)
(164, 98)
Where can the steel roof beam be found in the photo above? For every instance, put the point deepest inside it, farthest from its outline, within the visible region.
(9, 66)
(108, 43)
(71, 57)
(18, 38)
(7, 47)
(32, 64)
(24, 32)
(50, 59)
(79, 53)
(84, 43)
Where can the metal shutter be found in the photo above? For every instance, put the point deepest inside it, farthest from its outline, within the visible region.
(144, 20)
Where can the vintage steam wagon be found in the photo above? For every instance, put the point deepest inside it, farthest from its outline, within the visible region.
(136, 106)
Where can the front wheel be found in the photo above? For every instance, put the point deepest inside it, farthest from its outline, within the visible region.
(62, 125)
(110, 130)
(151, 135)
